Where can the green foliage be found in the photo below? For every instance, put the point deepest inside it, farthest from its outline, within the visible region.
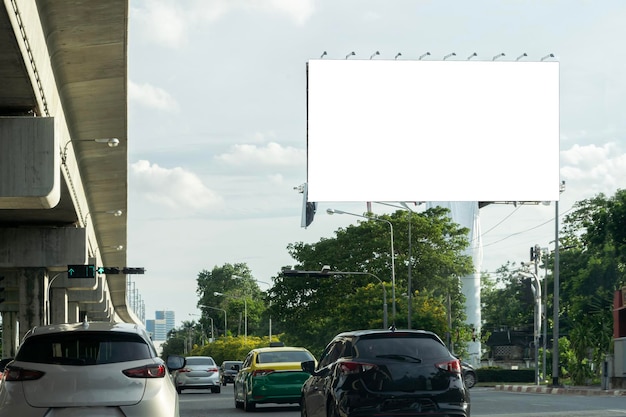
(181, 340)
(232, 291)
(592, 266)
(313, 309)
(507, 300)
(173, 346)
(591, 270)
(232, 348)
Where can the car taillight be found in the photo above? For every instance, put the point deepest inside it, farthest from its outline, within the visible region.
(453, 366)
(21, 374)
(184, 370)
(148, 371)
(355, 367)
(212, 370)
(262, 372)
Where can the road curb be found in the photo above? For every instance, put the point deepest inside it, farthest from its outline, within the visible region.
(561, 390)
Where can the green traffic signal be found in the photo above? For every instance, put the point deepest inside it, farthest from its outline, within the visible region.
(81, 271)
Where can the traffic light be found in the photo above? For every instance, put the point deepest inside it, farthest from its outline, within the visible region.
(311, 208)
(308, 208)
(128, 270)
(81, 271)
(109, 270)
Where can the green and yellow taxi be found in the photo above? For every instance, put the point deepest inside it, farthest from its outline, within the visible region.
(271, 375)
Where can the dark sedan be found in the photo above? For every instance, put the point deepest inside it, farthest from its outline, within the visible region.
(228, 371)
(469, 374)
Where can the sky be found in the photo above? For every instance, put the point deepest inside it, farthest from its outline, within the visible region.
(217, 131)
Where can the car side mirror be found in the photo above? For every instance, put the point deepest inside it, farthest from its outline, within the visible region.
(308, 366)
(175, 362)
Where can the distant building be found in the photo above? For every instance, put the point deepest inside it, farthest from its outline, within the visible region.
(164, 321)
(150, 327)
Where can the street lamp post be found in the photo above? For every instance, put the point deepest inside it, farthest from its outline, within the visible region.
(220, 309)
(270, 317)
(245, 313)
(245, 309)
(48, 306)
(393, 267)
(203, 332)
(556, 295)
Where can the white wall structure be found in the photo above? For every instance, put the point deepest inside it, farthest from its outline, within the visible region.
(466, 214)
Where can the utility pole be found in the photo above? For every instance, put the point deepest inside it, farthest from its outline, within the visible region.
(555, 330)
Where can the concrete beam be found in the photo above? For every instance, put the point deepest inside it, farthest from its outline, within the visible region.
(29, 163)
(42, 246)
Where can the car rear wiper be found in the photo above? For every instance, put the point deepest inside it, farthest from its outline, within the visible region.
(400, 357)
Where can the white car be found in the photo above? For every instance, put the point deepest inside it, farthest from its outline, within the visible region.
(89, 369)
(199, 372)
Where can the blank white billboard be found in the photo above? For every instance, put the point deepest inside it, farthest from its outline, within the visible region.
(393, 130)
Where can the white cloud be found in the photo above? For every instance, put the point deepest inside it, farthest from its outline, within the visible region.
(298, 10)
(276, 179)
(173, 188)
(594, 168)
(161, 22)
(169, 23)
(151, 96)
(272, 154)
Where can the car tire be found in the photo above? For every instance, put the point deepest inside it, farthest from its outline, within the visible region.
(470, 379)
(238, 404)
(332, 409)
(248, 405)
(303, 412)
(224, 383)
(216, 390)
(179, 390)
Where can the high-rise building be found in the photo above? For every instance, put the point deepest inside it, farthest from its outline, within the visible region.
(164, 321)
(150, 327)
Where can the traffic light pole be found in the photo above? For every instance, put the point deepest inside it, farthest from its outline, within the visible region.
(326, 272)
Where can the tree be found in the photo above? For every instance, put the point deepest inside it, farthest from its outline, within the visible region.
(181, 340)
(313, 309)
(507, 300)
(592, 269)
(237, 292)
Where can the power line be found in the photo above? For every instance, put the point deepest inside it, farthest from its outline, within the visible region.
(501, 221)
(524, 231)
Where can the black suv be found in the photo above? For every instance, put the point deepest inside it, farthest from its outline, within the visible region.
(385, 372)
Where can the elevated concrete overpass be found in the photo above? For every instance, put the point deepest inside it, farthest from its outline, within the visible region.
(63, 181)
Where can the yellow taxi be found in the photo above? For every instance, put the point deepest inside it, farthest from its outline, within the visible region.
(271, 375)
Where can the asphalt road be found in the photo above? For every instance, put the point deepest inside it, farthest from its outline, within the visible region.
(485, 402)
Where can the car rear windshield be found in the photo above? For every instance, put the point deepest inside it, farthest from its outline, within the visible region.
(284, 356)
(423, 348)
(83, 348)
(200, 361)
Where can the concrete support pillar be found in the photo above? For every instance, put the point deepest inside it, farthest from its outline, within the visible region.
(73, 312)
(32, 283)
(10, 334)
(58, 305)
